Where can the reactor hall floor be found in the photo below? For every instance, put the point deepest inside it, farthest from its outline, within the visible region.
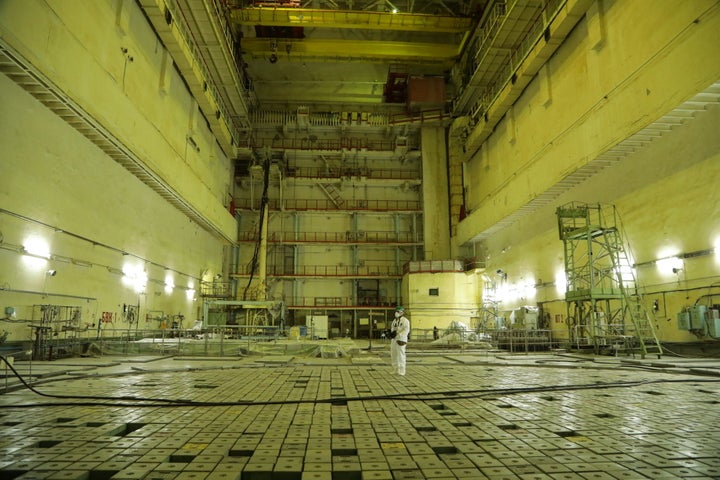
(455, 415)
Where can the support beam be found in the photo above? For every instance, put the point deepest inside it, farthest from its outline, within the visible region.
(352, 50)
(370, 20)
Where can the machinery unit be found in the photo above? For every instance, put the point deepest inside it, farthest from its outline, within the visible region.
(713, 321)
(700, 320)
(697, 317)
(318, 326)
(525, 318)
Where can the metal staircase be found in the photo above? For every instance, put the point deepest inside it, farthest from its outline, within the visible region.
(332, 193)
(604, 306)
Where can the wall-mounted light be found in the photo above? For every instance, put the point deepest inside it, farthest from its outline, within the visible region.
(36, 252)
(51, 273)
(169, 284)
(37, 247)
(135, 276)
(670, 264)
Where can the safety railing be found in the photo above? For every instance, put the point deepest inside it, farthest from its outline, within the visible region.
(603, 337)
(335, 237)
(520, 340)
(342, 302)
(425, 116)
(374, 173)
(325, 204)
(308, 143)
(216, 289)
(434, 266)
(320, 119)
(504, 75)
(130, 339)
(321, 271)
(511, 340)
(201, 65)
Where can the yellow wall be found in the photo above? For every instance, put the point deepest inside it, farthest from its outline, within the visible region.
(667, 206)
(654, 57)
(63, 190)
(457, 298)
(603, 85)
(145, 104)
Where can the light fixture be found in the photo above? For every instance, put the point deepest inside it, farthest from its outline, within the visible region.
(51, 273)
(135, 276)
(37, 247)
(669, 264)
(36, 252)
(169, 283)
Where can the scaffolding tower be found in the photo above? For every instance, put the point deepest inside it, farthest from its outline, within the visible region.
(605, 309)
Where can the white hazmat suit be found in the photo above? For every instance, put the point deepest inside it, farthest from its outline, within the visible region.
(401, 327)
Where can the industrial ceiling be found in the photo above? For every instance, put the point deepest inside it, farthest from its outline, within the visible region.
(340, 55)
(343, 57)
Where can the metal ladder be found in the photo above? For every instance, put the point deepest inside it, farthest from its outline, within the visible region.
(640, 326)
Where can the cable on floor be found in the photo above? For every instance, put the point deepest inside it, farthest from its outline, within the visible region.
(412, 396)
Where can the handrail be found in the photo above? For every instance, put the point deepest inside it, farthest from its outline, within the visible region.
(374, 271)
(324, 204)
(306, 143)
(335, 237)
(341, 302)
(340, 172)
(201, 64)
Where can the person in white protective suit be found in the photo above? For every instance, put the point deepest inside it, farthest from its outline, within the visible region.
(399, 333)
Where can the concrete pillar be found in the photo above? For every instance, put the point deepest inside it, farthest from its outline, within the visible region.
(435, 194)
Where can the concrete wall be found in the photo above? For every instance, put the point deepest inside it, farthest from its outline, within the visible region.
(96, 218)
(457, 298)
(624, 66)
(653, 57)
(108, 60)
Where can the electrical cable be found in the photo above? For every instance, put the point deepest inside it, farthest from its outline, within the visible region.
(263, 205)
(410, 396)
(88, 397)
